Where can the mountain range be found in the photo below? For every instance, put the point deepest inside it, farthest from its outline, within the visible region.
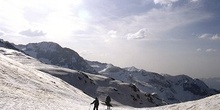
(172, 89)
(24, 86)
(127, 86)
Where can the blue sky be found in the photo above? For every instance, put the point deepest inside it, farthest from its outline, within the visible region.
(164, 36)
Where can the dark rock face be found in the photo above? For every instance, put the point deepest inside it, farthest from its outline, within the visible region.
(195, 89)
(7, 45)
(134, 88)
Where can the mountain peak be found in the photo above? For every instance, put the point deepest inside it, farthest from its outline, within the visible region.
(44, 46)
(53, 53)
(132, 69)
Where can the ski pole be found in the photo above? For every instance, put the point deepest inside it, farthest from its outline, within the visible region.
(89, 106)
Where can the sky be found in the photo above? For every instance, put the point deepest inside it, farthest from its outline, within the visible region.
(164, 36)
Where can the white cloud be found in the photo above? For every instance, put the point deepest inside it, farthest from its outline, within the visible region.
(203, 36)
(62, 19)
(158, 21)
(142, 33)
(11, 17)
(209, 36)
(1, 33)
(112, 34)
(211, 50)
(57, 18)
(32, 33)
(194, 0)
(215, 37)
(165, 2)
(199, 49)
(170, 2)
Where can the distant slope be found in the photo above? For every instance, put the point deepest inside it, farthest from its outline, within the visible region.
(212, 82)
(172, 89)
(52, 53)
(101, 86)
(208, 103)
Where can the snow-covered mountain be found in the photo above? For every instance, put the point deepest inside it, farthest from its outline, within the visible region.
(92, 84)
(53, 53)
(24, 87)
(172, 89)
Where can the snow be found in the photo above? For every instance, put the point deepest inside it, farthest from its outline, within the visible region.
(209, 103)
(97, 65)
(24, 87)
(27, 88)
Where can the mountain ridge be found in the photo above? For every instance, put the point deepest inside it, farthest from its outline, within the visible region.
(170, 88)
(8, 45)
(53, 53)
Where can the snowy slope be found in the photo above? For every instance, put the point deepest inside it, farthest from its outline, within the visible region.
(209, 103)
(25, 88)
(172, 89)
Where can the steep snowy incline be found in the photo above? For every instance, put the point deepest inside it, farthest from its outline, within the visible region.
(24, 88)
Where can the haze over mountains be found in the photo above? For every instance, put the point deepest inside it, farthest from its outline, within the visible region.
(212, 82)
(127, 86)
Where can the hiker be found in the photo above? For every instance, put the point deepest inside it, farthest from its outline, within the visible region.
(107, 102)
(96, 104)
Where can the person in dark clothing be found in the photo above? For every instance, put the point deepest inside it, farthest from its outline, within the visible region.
(107, 102)
(96, 104)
